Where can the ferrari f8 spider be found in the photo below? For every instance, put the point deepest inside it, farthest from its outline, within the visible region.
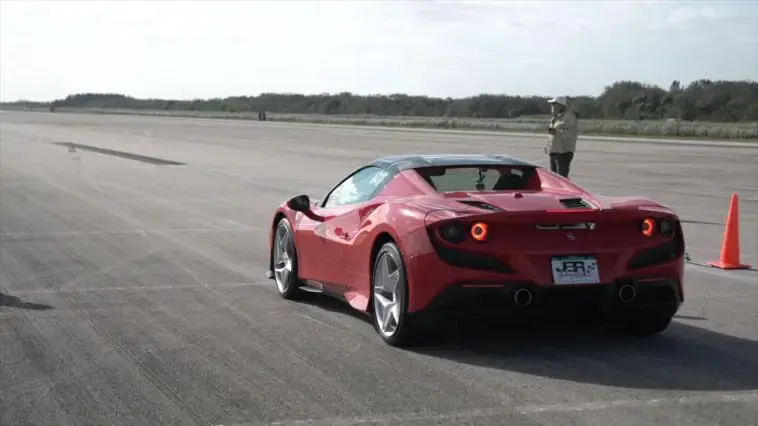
(408, 235)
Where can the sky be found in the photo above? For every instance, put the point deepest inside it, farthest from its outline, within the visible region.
(194, 49)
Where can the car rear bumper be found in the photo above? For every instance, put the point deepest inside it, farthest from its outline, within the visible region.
(646, 294)
(442, 288)
(446, 278)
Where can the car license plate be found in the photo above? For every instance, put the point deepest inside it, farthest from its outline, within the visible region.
(575, 270)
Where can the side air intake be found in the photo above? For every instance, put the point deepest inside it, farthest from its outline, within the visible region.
(576, 203)
(480, 205)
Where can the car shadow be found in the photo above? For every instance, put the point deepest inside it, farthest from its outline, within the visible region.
(683, 357)
(17, 303)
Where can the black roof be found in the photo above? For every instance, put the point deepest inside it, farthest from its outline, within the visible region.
(413, 161)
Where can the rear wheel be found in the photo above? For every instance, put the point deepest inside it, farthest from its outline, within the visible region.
(285, 261)
(390, 297)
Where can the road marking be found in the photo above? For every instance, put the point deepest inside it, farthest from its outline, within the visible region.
(204, 286)
(636, 403)
(53, 234)
(741, 397)
(320, 322)
(744, 276)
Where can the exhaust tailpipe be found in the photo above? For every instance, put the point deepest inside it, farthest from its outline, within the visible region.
(522, 298)
(627, 293)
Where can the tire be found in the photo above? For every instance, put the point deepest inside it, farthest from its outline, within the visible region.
(285, 261)
(389, 268)
(645, 325)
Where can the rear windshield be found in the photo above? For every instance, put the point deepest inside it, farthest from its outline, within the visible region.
(480, 178)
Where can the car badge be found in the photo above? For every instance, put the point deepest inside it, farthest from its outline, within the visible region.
(570, 236)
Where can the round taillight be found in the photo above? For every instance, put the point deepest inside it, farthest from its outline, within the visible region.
(648, 227)
(479, 231)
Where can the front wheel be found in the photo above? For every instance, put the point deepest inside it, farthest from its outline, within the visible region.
(390, 297)
(285, 261)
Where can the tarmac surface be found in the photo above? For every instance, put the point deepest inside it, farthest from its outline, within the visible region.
(133, 289)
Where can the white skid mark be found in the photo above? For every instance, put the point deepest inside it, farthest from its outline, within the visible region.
(206, 286)
(320, 322)
(53, 234)
(636, 403)
(524, 410)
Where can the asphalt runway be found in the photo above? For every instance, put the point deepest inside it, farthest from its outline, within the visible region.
(133, 291)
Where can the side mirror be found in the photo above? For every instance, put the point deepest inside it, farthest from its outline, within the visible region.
(301, 203)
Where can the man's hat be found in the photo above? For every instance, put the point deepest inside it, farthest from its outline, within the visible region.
(561, 100)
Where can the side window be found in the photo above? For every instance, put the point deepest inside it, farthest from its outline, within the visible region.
(357, 188)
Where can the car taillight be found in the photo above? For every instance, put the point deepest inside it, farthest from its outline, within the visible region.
(453, 232)
(648, 227)
(479, 231)
(667, 227)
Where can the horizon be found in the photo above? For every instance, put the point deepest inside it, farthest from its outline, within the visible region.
(202, 50)
(684, 85)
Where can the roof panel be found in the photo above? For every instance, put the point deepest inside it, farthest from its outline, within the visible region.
(412, 161)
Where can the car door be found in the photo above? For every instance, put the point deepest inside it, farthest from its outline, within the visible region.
(311, 245)
(343, 206)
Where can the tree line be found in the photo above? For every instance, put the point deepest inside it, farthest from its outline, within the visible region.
(702, 100)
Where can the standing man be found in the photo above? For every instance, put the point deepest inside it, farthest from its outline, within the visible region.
(562, 136)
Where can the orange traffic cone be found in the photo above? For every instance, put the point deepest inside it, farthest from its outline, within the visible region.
(730, 248)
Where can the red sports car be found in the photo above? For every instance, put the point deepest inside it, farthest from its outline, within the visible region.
(409, 235)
